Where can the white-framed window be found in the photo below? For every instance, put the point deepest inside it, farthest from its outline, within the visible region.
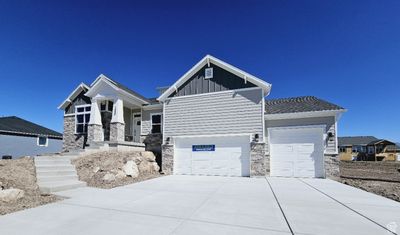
(106, 106)
(42, 141)
(82, 117)
(342, 149)
(156, 123)
(371, 149)
(208, 73)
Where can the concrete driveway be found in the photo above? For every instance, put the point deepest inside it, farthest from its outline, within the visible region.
(212, 205)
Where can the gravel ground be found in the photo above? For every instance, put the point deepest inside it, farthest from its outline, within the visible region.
(389, 190)
(20, 174)
(92, 168)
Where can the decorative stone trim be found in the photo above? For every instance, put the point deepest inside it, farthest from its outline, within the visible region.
(71, 141)
(331, 163)
(117, 132)
(95, 133)
(258, 159)
(167, 165)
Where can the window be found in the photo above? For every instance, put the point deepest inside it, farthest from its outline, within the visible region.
(354, 149)
(82, 117)
(379, 148)
(208, 73)
(106, 105)
(342, 149)
(370, 149)
(155, 123)
(42, 141)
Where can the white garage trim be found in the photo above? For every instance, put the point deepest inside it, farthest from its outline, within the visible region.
(302, 159)
(214, 135)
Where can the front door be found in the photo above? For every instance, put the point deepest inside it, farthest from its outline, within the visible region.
(137, 119)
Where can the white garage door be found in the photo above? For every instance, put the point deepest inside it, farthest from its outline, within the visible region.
(224, 156)
(297, 152)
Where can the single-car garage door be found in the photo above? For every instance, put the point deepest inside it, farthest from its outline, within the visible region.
(224, 156)
(297, 151)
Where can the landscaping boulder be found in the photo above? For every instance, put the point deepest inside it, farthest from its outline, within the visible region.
(120, 175)
(109, 177)
(149, 156)
(131, 169)
(96, 169)
(11, 194)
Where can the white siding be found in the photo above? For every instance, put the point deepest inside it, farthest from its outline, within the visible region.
(328, 121)
(228, 112)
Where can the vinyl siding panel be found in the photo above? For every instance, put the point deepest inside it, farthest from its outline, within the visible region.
(19, 146)
(146, 122)
(229, 112)
(328, 121)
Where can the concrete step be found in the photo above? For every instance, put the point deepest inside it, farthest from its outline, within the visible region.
(46, 173)
(65, 167)
(55, 178)
(53, 158)
(52, 162)
(57, 186)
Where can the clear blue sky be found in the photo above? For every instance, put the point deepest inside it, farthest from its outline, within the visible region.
(347, 52)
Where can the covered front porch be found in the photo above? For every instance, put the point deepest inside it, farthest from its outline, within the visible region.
(115, 114)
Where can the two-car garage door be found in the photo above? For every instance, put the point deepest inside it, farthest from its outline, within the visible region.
(223, 155)
(297, 151)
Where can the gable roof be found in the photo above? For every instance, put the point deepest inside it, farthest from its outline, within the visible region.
(299, 104)
(117, 86)
(81, 87)
(356, 140)
(18, 126)
(210, 59)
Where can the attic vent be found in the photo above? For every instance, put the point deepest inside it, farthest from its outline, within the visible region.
(209, 73)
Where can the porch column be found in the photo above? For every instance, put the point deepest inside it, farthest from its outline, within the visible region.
(95, 128)
(117, 126)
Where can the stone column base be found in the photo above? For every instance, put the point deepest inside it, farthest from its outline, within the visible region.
(117, 132)
(167, 162)
(258, 166)
(95, 133)
(331, 163)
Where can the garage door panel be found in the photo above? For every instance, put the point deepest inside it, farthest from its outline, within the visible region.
(231, 156)
(296, 152)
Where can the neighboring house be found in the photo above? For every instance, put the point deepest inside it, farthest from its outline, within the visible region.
(366, 148)
(19, 138)
(214, 120)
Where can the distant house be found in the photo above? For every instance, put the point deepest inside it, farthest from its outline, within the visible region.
(19, 138)
(367, 148)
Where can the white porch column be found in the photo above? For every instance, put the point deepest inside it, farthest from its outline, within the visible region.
(117, 126)
(95, 127)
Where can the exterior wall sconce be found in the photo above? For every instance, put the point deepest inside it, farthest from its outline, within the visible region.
(256, 137)
(330, 135)
(167, 140)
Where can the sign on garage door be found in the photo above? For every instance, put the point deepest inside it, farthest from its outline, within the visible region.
(225, 156)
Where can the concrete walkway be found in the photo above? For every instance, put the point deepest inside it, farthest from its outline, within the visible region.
(212, 205)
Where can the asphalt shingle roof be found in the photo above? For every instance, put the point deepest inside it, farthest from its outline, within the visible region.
(16, 125)
(298, 104)
(356, 140)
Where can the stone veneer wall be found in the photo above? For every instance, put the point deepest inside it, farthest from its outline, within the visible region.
(167, 158)
(258, 163)
(117, 132)
(331, 164)
(71, 141)
(95, 133)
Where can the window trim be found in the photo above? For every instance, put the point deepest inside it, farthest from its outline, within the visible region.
(84, 113)
(42, 145)
(151, 122)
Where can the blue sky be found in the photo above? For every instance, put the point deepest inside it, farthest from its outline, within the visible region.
(346, 52)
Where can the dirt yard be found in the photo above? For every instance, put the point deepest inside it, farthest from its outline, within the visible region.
(20, 174)
(389, 190)
(111, 169)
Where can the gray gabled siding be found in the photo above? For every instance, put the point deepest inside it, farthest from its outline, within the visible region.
(328, 121)
(222, 80)
(81, 99)
(228, 112)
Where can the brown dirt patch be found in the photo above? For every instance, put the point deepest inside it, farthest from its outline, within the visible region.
(20, 174)
(389, 190)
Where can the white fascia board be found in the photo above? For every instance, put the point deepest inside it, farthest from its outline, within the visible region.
(312, 114)
(102, 78)
(73, 94)
(152, 107)
(238, 72)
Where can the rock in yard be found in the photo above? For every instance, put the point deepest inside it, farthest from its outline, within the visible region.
(120, 175)
(109, 177)
(11, 194)
(149, 156)
(131, 169)
(96, 169)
